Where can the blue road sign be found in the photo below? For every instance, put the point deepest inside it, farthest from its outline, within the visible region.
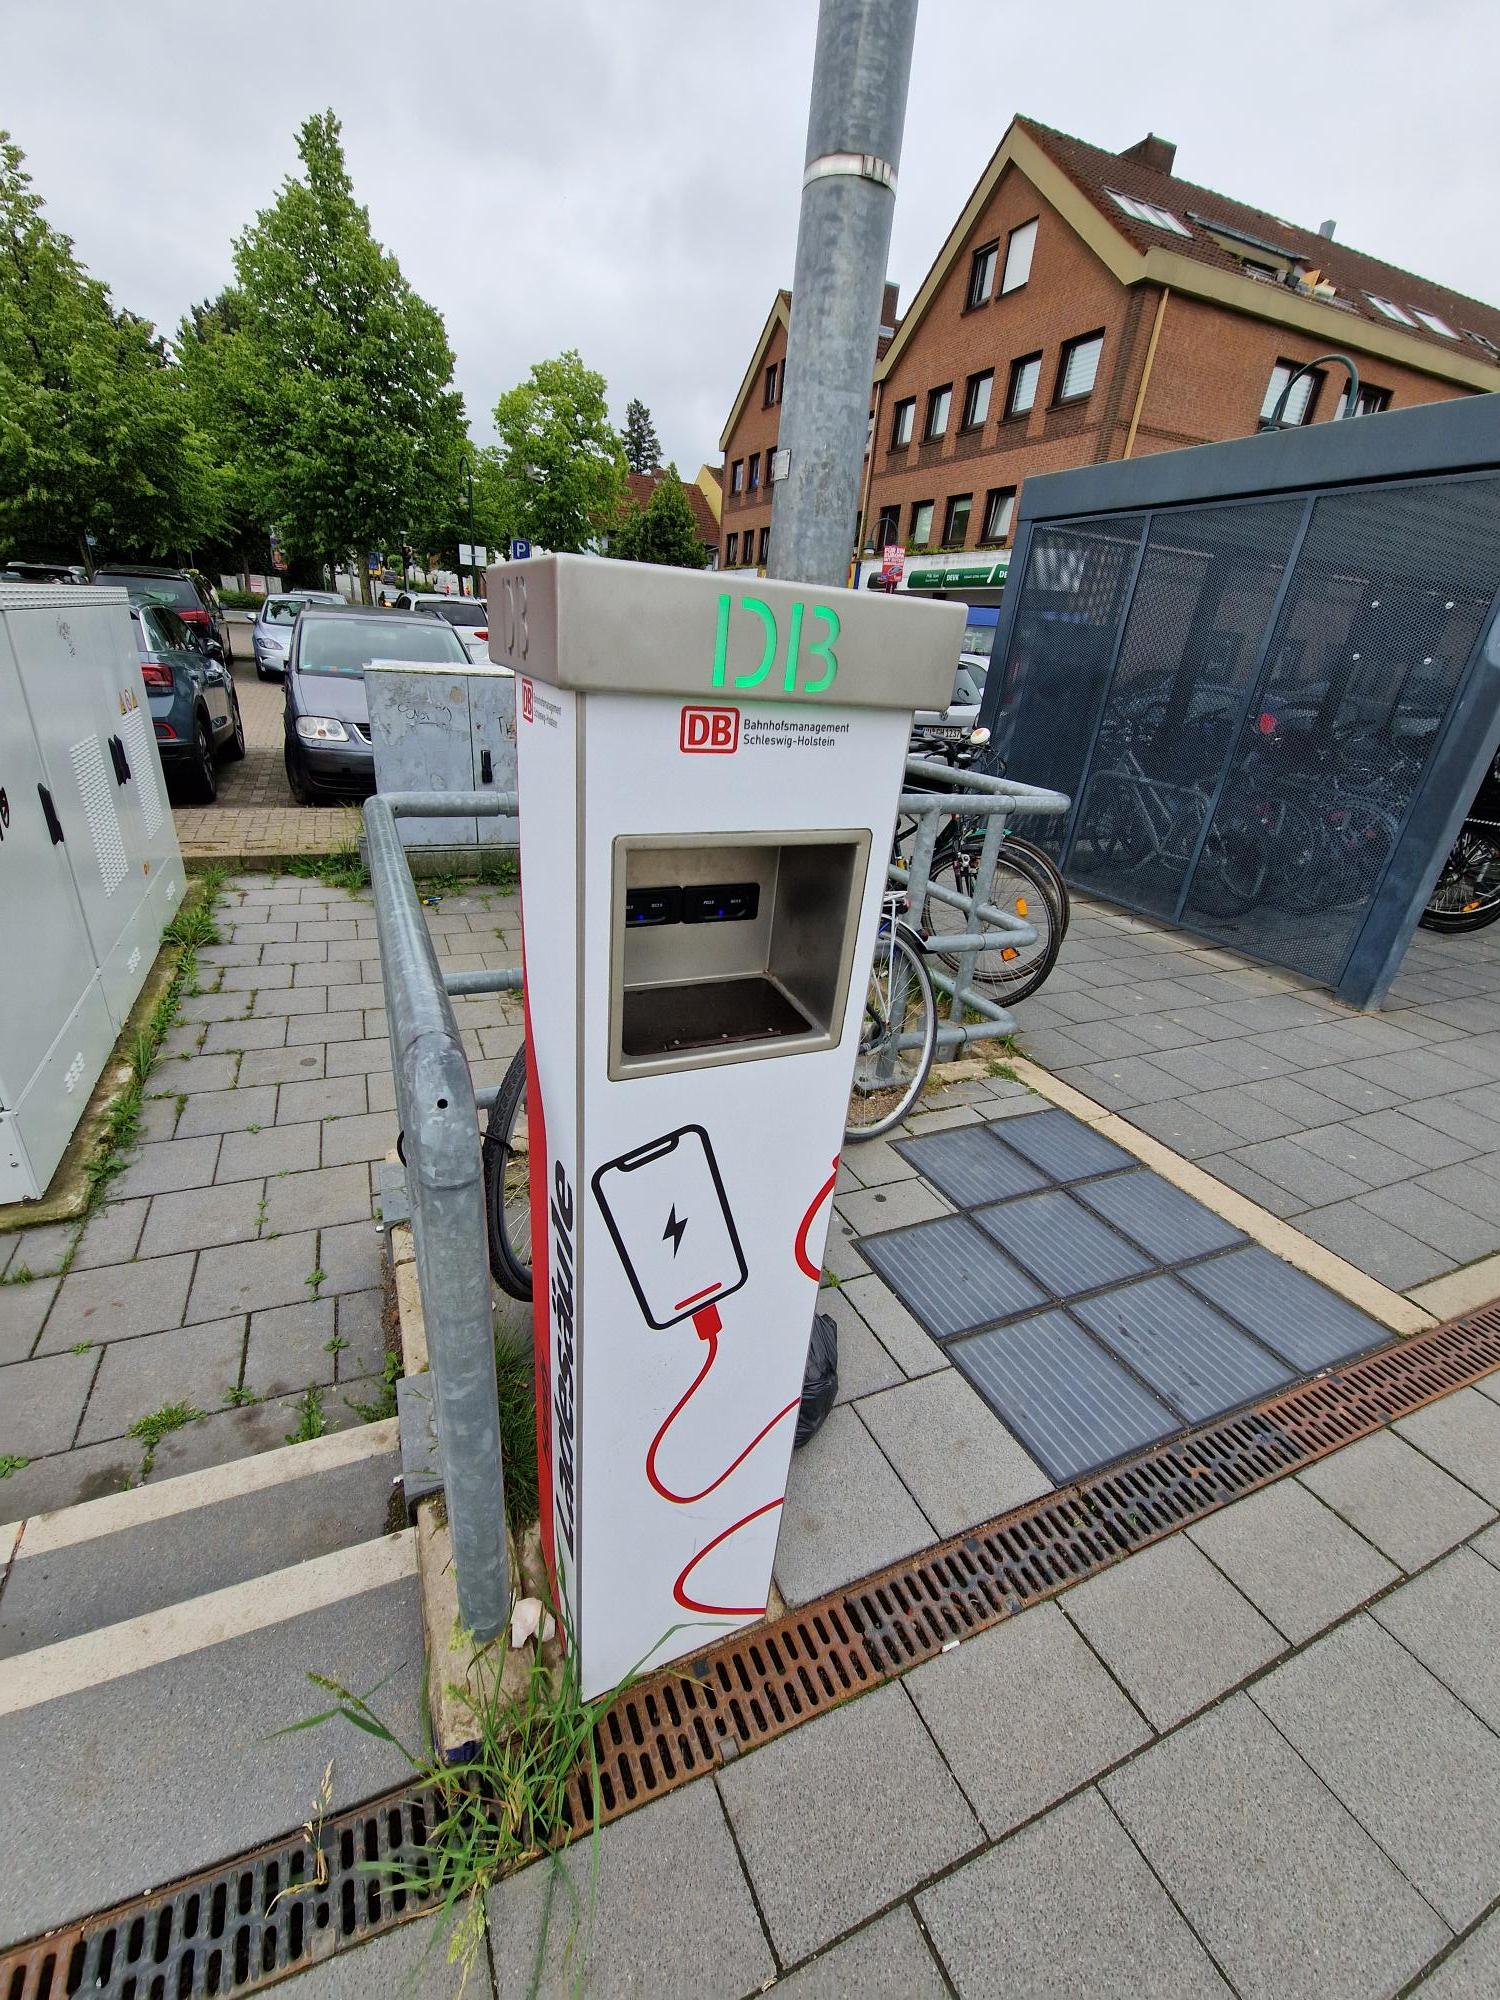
(519, 549)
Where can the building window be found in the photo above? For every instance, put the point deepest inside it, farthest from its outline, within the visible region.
(1371, 401)
(921, 523)
(1147, 211)
(982, 276)
(888, 528)
(765, 542)
(770, 385)
(754, 471)
(1299, 405)
(1078, 368)
(1434, 323)
(956, 520)
(901, 424)
(732, 550)
(1025, 374)
(999, 512)
(977, 399)
(1391, 310)
(939, 402)
(737, 476)
(1018, 248)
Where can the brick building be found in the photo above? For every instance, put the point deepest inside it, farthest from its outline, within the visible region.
(1089, 305)
(701, 494)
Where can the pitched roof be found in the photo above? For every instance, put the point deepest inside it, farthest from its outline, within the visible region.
(779, 315)
(1076, 179)
(1353, 274)
(643, 484)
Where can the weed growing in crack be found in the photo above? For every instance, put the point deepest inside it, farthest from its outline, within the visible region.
(314, 1279)
(384, 1405)
(311, 1422)
(343, 869)
(21, 1275)
(336, 1345)
(150, 1431)
(240, 1399)
(82, 1347)
(9, 1463)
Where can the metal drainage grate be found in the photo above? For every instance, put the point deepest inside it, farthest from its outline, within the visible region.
(226, 1932)
(240, 1926)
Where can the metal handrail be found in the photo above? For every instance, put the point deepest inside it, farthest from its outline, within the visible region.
(439, 1120)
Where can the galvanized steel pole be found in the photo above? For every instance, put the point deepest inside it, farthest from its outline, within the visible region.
(860, 73)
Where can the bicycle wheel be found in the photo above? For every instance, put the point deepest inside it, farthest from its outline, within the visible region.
(507, 1184)
(1056, 887)
(897, 1038)
(1020, 887)
(1466, 895)
(1233, 866)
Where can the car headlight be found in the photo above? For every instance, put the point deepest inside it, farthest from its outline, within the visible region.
(321, 729)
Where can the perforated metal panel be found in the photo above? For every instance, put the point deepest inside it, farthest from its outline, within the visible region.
(1262, 671)
(96, 790)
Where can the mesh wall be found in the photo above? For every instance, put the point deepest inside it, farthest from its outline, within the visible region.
(1057, 666)
(1187, 661)
(1391, 588)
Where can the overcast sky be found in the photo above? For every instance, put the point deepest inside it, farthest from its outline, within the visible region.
(622, 176)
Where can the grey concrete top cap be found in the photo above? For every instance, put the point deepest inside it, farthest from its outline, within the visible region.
(639, 628)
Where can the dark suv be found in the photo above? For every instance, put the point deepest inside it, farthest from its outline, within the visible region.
(188, 595)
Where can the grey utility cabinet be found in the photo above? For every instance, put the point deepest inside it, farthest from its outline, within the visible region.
(440, 728)
(90, 871)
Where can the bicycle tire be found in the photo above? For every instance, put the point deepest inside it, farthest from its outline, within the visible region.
(507, 1184)
(1057, 889)
(1471, 852)
(909, 986)
(1009, 972)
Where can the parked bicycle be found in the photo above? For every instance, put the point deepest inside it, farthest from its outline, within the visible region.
(1466, 895)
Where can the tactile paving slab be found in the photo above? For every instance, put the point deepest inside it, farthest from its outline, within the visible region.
(1063, 1146)
(950, 1275)
(1189, 1353)
(1060, 1244)
(1066, 1399)
(1298, 1318)
(970, 1166)
(1158, 1216)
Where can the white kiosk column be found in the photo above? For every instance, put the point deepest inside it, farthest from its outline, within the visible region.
(708, 773)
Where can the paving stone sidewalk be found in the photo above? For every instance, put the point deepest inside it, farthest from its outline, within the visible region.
(1261, 1758)
(1377, 1134)
(237, 1264)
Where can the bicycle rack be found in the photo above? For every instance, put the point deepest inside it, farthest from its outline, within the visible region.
(975, 795)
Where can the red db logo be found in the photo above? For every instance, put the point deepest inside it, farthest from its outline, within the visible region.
(526, 715)
(711, 732)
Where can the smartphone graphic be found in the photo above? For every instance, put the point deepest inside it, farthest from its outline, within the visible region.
(665, 1208)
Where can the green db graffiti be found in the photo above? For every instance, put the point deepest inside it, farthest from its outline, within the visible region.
(815, 649)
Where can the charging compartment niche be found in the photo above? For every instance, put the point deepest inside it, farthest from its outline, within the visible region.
(731, 947)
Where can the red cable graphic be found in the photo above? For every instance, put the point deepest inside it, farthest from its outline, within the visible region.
(708, 1326)
(804, 1262)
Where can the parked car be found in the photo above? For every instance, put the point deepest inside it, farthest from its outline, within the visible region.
(469, 616)
(194, 708)
(271, 634)
(42, 572)
(960, 718)
(191, 596)
(327, 718)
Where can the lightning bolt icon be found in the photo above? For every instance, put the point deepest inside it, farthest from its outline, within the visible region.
(673, 1231)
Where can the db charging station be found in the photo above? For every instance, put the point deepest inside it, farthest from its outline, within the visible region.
(708, 771)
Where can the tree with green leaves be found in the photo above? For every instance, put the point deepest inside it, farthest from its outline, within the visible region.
(642, 445)
(663, 531)
(96, 429)
(559, 474)
(326, 377)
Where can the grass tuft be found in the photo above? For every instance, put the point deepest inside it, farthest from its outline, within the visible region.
(384, 1405)
(343, 869)
(150, 1430)
(311, 1422)
(515, 1379)
(21, 1275)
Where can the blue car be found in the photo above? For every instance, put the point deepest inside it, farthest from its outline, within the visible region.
(194, 707)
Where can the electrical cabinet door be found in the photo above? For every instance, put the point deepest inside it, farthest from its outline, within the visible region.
(34, 1134)
(492, 717)
(46, 955)
(420, 729)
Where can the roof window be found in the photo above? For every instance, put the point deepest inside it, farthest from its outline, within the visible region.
(1147, 211)
(1390, 309)
(1435, 324)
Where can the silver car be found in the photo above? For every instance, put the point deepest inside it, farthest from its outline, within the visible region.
(469, 617)
(271, 634)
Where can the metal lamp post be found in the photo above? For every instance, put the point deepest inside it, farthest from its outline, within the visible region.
(468, 472)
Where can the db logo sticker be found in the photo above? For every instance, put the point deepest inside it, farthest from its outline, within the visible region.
(710, 732)
(526, 715)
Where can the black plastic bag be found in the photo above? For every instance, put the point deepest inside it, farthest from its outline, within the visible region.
(820, 1378)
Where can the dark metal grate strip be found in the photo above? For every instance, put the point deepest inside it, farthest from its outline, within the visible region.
(231, 1930)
